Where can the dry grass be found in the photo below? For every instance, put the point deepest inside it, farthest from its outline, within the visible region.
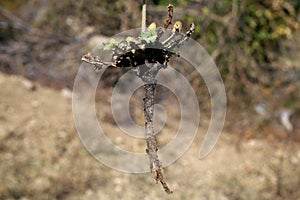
(41, 157)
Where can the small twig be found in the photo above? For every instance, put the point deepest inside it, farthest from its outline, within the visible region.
(187, 35)
(96, 61)
(170, 16)
(144, 14)
(168, 21)
(177, 42)
(169, 38)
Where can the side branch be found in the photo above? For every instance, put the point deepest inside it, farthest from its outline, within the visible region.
(181, 39)
(168, 21)
(96, 62)
(170, 16)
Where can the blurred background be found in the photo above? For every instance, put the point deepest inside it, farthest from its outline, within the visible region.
(256, 46)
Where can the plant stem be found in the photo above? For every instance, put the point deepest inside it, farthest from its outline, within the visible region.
(150, 85)
(144, 14)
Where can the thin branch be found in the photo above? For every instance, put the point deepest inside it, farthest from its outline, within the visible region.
(144, 15)
(170, 16)
(96, 62)
(177, 42)
(168, 21)
(169, 38)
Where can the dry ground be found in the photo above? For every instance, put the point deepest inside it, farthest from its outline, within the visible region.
(41, 157)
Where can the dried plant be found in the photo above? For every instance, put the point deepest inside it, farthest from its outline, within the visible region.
(146, 55)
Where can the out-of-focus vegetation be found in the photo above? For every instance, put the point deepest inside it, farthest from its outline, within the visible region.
(244, 38)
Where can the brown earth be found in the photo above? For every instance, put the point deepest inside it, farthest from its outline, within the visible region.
(41, 157)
